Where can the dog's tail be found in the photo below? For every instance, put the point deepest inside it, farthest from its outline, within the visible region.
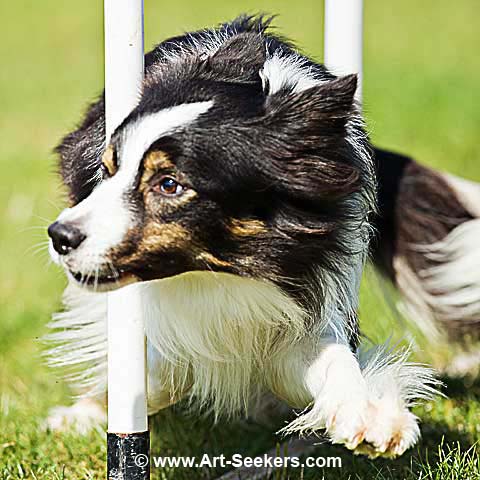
(428, 244)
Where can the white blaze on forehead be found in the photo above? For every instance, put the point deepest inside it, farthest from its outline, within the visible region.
(104, 216)
(139, 136)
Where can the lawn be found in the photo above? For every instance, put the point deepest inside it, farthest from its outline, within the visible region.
(422, 70)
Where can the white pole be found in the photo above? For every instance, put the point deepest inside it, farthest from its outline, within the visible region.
(344, 38)
(127, 405)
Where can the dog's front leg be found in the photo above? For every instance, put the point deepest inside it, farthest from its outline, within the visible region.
(364, 410)
(339, 396)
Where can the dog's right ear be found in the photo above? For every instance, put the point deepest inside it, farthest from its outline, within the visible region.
(307, 139)
(80, 153)
(321, 109)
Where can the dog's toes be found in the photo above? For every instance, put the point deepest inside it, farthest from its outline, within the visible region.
(380, 430)
(82, 417)
(390, 432)
(347, 426)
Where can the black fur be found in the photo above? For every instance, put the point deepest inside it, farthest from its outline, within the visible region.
(390, 170)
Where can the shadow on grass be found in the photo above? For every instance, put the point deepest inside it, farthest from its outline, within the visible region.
(176, 433)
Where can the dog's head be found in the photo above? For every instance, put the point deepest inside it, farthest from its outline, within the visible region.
(240, 157)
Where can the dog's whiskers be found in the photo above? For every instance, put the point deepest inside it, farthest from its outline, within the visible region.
(33, 227)
(54, 205)
(37, 248)
(46, 220)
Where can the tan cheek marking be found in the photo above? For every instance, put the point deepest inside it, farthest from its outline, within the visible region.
(108, 161)
(154, 238)
(166, 235)
(212, 260)
(160, 237)
(246, 228)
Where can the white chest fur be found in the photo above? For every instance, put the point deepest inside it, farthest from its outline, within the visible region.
(213, 333)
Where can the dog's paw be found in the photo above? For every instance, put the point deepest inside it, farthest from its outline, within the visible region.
(81, 417)
(379, 427)
(392, 430)
(343, 420)
(347, 424)
(383, 429)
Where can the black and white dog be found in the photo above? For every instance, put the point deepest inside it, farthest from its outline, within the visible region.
(238, 197)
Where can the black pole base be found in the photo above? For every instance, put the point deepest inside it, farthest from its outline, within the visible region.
(128, 456)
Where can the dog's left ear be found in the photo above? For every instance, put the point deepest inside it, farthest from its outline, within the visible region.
(306, 138)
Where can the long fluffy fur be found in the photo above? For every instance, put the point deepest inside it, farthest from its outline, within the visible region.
(78, 340)
(429, 224)
(222, 330)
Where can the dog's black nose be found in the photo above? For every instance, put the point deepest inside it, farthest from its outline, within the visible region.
(65, 237)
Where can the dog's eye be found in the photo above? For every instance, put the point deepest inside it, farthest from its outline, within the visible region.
(169, 186)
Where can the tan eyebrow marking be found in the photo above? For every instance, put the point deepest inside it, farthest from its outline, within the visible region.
(153, 162)
(158, 159)
(246, 228)
(108, 159)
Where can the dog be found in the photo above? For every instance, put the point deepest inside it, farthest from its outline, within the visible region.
(239, 198)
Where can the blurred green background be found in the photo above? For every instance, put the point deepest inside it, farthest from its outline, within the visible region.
(422, 71)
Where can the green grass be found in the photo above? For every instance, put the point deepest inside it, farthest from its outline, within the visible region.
(421, 97)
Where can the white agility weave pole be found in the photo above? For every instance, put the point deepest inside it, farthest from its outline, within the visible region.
(128, 439)
(344, 38)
